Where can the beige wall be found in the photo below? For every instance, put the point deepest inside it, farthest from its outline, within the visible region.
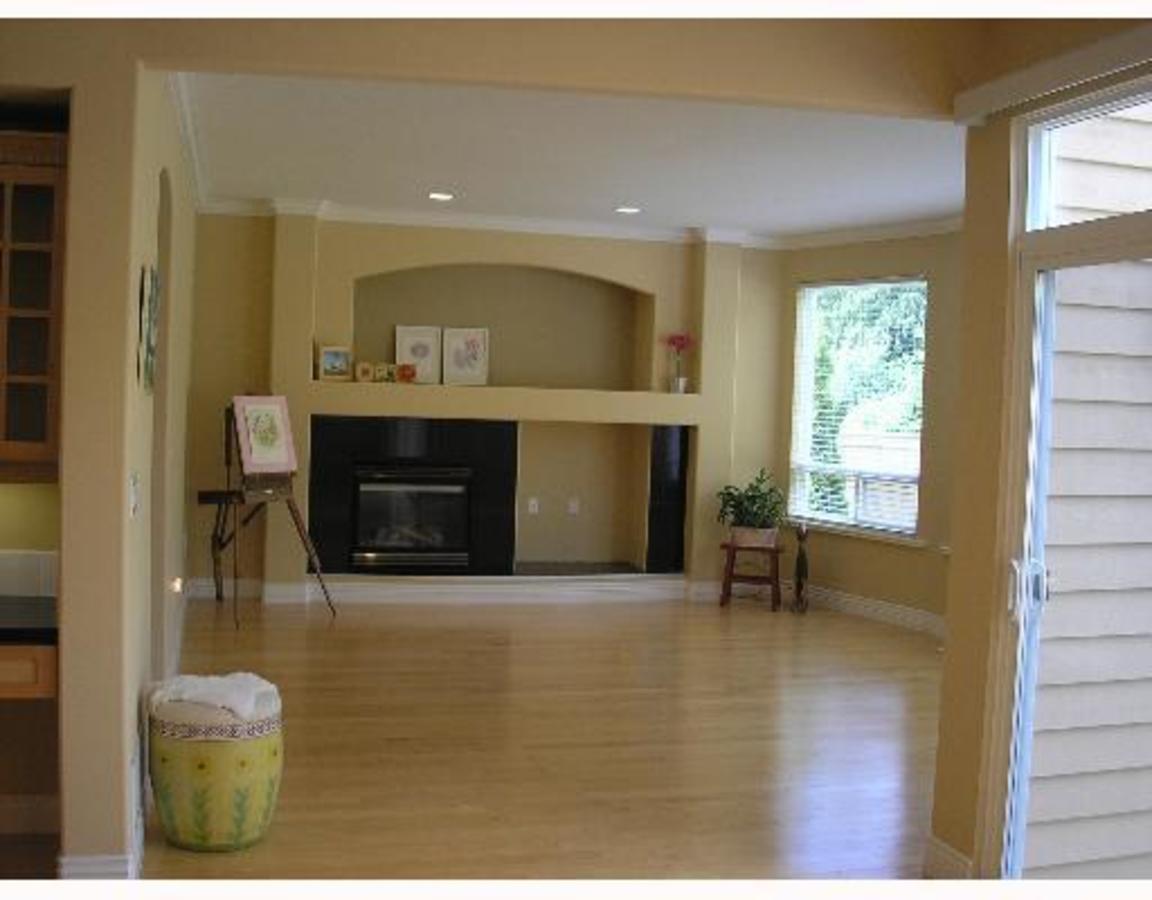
(230, 356)
(349, 251)
(914, 575)
(601, 467)
(545, 328)
(891, 66)
(29, 516)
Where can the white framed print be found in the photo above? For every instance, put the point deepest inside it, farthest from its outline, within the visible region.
(419, 346)
(465, 355)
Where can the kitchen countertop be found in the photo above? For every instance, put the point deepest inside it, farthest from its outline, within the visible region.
(27, 620)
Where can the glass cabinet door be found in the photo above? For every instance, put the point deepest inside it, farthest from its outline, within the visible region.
(29, 322)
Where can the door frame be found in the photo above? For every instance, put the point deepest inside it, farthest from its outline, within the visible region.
(1118, 239)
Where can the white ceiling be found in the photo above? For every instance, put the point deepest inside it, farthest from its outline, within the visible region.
(564, 158)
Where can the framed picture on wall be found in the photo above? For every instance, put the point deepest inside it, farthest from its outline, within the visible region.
(419, 346)
(465, 355)
(265, 435)
(334, 364)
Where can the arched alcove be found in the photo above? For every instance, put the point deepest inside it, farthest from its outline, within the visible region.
(547, 328)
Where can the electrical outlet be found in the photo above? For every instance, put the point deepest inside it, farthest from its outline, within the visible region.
(533, 506)
(573, 506)
(133, 494)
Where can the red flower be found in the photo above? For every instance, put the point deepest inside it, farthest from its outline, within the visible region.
(679, 342)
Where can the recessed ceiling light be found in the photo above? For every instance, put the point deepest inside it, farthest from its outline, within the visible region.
(441, 196)
(628, 210)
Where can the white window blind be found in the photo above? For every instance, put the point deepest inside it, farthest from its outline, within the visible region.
(858, 404)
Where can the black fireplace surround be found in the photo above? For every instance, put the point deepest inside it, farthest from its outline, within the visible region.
(402, 496)
(408, 496)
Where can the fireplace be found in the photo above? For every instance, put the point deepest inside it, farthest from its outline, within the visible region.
(411, 517)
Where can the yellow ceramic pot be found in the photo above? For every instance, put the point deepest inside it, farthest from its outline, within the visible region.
(215, 777)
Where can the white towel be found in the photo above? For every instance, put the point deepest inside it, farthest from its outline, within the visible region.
(241, 693)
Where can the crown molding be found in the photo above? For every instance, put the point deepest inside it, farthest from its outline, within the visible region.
(335, 212)
(721, 236)
(216, 206)
(894, 232)
(287, 206)
(186, 119)
(1096, 60)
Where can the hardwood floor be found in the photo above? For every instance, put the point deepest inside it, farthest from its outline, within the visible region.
(600, 740)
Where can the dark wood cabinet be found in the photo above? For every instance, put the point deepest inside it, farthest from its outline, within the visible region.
(32, 182)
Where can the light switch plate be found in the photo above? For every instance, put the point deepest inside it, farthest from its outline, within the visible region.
(573, 506)
(533, 506)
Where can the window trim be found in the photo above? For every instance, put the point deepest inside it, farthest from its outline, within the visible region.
(903, 536)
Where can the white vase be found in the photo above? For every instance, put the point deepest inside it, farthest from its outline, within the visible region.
(678, 384)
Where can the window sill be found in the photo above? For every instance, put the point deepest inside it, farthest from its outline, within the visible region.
(900, 539)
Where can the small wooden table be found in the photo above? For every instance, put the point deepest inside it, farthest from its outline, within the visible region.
(732, 577)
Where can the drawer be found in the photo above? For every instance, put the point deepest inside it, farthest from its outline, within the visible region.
(27, 672)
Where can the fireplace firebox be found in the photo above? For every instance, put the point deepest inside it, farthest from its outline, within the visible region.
(411, 517)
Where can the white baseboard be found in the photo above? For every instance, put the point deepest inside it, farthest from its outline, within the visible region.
(944, 862)
(87, 867)
(205, 588)
(887, 611)
(29, 814)
(512, 589)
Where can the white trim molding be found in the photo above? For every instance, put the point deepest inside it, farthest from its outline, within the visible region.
(205, 588)
(178, 87)
(334, 212)
(512, 589)
(1126, 50)
(943, 861)
(897, 231)
(29, 814)
(125, 867)
(887, 611)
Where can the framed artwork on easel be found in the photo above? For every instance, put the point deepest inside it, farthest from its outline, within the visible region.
(265, 435)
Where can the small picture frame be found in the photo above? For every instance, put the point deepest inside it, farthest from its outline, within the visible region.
(385, 372)
(334, 364)
(365, 370)
(419, 346)
(265, 435)
(466, 356)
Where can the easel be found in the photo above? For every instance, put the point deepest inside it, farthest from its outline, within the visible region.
(257, 492)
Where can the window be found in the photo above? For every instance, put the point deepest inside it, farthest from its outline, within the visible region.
(858, 404)
(1094, 165)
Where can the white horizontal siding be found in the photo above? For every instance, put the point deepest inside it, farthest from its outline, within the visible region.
(1103, 330)
(1082, 840)
(1065, 797)
(1099, 520)
(1126, 285)
(1100, 473)
(1111, 568)
(1110, 379)
(1102, 186)
(1093, 660)
(1062, 706)
(1115, 141)
(1091, 750)
(1105, 426)
(1097, 613)
(1122, 867)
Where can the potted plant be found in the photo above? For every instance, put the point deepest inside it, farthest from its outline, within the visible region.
(753, 512)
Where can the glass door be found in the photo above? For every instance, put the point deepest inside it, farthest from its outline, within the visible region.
(1080, 797)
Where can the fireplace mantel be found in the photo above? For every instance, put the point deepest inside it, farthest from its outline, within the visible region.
(513, 404)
